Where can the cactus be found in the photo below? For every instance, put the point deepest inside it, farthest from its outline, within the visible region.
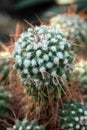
(44, 61)
(4, 101)
(81, 72)
(72, 25)
(26, 125)
(73, 116)
(5, 67)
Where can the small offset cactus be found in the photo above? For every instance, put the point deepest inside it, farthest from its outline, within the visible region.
(43, 59)
(72, 25)
(73, 116)
(5, 67)
(26, 125)
(4, 101)
(81, 72)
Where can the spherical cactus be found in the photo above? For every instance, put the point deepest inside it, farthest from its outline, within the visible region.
(26, 125)
(73, 116)
(81, 71)
(43, 58)
(72, 25)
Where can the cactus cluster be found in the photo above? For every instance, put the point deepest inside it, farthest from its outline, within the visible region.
(43, 57)
(26, 125)
(4, 100)
(72, 25)
(73, 116)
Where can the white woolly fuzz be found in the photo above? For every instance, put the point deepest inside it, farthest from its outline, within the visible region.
(28, 55)
(60, 55)
(77, 126)
(27, 63)
(26, 71)
(46, 57)
(14, 126)
(65, 61)
(53, 73)
(28, 127)
(53, 48)
(23, 44)
(62, 47)
(71, 125)
(40, 61)
(53, 40)
(76, 119)
(73, 112)
(38, 53)
(49, 65)
(80, 110)
(85, 112)
(20, 128)
(33, 62)
(35, 70)
(56, 60)
(42, 69)
(29, 47)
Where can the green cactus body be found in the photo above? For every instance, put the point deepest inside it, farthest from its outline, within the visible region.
(5, 68)
(4, 101)
(26, 125)
(73, 116)
(72, 25)
(44, 60)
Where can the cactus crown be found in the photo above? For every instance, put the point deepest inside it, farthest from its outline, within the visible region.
(43, 57)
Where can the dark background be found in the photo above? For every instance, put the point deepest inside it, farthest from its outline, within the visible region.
(13, 10)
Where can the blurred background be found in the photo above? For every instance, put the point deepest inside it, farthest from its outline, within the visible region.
(12, 11)
(15, 17)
